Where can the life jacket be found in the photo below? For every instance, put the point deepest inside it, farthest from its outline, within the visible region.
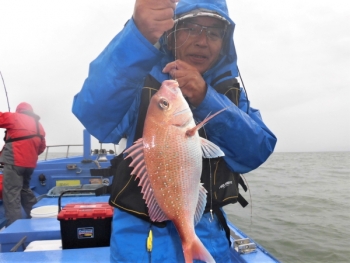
(24, 137)
(22, 145)
(220, 182)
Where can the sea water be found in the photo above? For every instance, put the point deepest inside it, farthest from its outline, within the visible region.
(299, 207)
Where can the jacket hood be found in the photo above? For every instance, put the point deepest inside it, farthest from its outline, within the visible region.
(218, 9)
(27, 109)
(217, 6)
(24, 106)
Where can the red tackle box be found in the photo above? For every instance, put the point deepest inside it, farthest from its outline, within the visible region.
(85, 225)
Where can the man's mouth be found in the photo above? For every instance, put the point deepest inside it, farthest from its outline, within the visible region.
(198, 58)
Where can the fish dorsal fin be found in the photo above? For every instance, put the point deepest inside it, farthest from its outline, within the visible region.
(202, 201)
(210, 150)
(138, 163)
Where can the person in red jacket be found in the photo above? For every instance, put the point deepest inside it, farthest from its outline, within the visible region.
(24, 141)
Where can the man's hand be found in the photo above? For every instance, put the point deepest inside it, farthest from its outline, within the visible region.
(191, 82)
(154, 17)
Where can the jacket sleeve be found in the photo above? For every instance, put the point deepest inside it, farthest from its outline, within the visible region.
(244, 138)
(6, 120)
(115, 79)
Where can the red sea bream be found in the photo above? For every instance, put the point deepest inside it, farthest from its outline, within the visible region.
(168, 162)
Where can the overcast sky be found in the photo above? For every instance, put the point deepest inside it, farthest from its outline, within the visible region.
(294, 57)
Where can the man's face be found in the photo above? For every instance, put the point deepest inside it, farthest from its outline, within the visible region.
(199, 47)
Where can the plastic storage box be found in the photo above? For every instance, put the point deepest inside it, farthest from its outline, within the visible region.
(85, 225)
(43, 245)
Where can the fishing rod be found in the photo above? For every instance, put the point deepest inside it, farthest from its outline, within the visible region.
(7, 98)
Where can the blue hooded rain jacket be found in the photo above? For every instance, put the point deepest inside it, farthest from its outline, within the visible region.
(107, 106)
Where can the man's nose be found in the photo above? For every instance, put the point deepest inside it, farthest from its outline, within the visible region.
(202, 36)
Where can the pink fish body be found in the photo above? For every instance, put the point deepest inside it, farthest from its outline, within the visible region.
(168, 162)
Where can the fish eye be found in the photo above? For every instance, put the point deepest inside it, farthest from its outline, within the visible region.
(163, 104)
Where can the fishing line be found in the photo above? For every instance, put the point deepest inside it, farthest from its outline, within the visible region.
(174, 32)
(8, 104)
(246, 93)
(175, 29)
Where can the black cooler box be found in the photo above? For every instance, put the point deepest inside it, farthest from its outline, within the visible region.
(85, 225)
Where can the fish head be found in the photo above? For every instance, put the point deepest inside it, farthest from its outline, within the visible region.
(169, 107)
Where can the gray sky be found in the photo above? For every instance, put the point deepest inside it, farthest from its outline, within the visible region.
(294, 57)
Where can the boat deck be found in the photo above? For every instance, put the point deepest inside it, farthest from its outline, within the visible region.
(96, 255)
(49, 229)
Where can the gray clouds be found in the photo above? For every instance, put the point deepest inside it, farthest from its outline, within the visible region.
(294, 58)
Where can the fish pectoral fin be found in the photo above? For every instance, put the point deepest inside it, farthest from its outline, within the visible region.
(138, 163)
(191, 132)
(210, 150)
(202, 201)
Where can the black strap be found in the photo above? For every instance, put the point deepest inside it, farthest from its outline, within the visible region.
(240, 198)
(23, 138)
(151, 86)
(242, 201)
(224, 75)
(242, 183)
(27, 136)
(217, 211)
(102, 190)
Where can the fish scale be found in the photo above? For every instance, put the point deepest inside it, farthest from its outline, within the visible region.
(169, 166)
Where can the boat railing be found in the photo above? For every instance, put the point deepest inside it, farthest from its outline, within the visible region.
(99, 152)
(62, 145)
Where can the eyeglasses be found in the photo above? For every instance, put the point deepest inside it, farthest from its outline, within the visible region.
(212, 33)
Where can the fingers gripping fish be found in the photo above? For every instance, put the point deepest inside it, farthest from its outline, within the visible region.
(168, 162)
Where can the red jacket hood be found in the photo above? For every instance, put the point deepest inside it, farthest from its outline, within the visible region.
(24, 106)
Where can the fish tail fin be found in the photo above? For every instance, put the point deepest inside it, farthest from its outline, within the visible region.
(198, 251)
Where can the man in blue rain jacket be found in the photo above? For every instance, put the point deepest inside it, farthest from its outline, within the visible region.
(198, 50)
